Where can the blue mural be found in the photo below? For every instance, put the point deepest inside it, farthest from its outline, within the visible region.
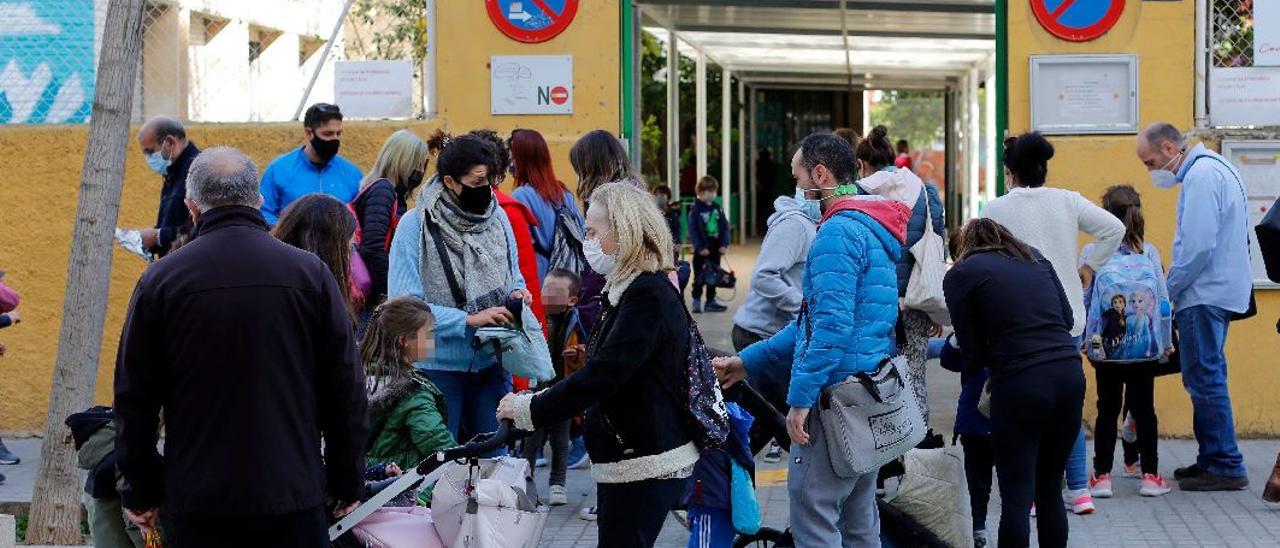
(46, 61)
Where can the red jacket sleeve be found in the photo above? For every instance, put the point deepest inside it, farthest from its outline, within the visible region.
(9, 297)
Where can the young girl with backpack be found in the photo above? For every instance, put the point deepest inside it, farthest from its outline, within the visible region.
(1128, 334)
(406, 411)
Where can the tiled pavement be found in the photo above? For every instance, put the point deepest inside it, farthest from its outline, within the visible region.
(1178, 519)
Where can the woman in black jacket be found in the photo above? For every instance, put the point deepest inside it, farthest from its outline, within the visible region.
(1011, 314)
(382, 200)
(631, 383)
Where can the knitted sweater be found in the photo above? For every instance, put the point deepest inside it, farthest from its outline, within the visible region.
(1050, 220)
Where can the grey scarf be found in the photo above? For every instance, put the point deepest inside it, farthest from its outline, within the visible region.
(477, 249)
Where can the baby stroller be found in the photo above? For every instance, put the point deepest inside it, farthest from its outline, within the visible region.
(897, 528)
(477, 503)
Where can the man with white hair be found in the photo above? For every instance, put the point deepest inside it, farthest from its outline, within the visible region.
(1209, 281)
(244, 343)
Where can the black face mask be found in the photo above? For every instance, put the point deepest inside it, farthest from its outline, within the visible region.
(475, 199)
(415, 179)
(326, 150)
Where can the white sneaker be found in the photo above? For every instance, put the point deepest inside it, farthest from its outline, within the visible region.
(1081, 502)
(589, 513)
(557, 497)
(774, 454)
(1133, 470)
(1100, 486)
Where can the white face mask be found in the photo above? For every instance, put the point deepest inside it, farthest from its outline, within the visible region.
(1163, 177)
(596, 257)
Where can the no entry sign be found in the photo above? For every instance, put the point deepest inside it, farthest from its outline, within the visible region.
(531, 21)
(1077, 20)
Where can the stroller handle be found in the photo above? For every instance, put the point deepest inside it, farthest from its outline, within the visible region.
(481, 444)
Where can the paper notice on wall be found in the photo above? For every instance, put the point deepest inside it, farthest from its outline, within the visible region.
(374, 89)
(1088, 97)
(1259, 166)
(531, 84)
(1244, 96)
(1266, 34)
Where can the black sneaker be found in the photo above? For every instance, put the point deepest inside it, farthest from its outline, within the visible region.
(6, 456)
(713, 306)
(1187, 472)
(1208, 481)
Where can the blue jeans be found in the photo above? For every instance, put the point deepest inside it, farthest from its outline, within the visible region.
(1203, 336)
(1078, 460)
(471, 399)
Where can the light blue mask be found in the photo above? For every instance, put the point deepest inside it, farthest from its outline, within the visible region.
(810, 208)
(157, 163)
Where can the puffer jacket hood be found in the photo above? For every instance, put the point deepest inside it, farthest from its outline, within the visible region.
(901, 185)
(892, 215)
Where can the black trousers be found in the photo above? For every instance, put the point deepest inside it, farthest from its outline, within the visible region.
(979, 461)
(305, 529)
(772, 386)
(700, 262)
(631, 514)
(1035, 418)
(1120, 387)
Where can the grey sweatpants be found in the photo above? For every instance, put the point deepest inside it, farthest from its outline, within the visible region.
(828, 510)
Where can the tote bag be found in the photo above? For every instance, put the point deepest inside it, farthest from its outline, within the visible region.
(924, 287)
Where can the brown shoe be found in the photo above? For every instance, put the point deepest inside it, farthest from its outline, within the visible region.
(1271, 493)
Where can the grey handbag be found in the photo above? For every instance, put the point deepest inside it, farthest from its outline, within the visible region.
(870, 419)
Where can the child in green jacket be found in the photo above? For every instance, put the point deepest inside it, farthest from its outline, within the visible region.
(406, 411)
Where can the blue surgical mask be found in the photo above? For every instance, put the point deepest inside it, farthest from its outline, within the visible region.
(1163, 177)
(158, 163)
(811, 208)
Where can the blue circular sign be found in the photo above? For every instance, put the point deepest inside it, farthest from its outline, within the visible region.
(531, 20)
(1077, 20)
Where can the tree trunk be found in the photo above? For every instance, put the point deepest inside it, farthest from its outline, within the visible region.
(55, 508)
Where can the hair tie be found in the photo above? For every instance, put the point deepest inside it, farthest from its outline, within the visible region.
(446, 141)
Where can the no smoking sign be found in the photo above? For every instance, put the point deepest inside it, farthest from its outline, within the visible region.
(1077, 20)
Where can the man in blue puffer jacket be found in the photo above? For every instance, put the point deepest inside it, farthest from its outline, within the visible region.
(845, 327)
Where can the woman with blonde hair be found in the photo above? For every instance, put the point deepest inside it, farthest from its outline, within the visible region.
(382, 200)
(640, 450)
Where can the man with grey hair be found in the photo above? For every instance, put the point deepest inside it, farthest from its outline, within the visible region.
(244, 343)
(164, 144)
(1210, 280)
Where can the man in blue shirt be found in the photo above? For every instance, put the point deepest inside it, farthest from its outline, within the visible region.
(313, 167)
(1209, 279)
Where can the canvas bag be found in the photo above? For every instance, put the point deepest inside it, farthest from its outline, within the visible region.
(521, 347)
(870, 419)
(924, 287)
(490, 505)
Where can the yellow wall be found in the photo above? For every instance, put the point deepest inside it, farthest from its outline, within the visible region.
(1162, 34)
(38, 188)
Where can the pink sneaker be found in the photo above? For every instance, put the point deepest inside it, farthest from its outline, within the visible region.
(1100, 486)
(1153, 486)
(1081, 502)
(1133, 470)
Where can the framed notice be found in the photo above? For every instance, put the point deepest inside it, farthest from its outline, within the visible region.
(374, 89)
(1244, 96)
(531, 84)
(1084, 94)
(1259, 166)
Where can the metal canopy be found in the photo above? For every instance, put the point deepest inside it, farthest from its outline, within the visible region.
(900, 44)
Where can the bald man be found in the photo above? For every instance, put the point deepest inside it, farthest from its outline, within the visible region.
(164, 144)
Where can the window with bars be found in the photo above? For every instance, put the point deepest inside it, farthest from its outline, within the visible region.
(1231, 33)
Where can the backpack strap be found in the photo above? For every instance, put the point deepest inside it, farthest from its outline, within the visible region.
(434, 229)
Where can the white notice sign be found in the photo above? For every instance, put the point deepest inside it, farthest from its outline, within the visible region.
(374, 89)
(1266, 34)
(1244, 96)
(1259, 165)
(531, 84)
(1084, 94)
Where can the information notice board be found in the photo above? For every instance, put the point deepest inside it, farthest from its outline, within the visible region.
(1259, 165)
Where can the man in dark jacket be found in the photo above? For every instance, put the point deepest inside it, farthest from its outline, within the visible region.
(168, 152)
(245, 344)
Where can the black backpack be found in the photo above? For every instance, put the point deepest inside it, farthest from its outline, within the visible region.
(566, 243)
(1268, 232)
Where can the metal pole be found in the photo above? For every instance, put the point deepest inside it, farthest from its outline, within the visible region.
(972, 136)
(628, 86)
(1002, 80)
(700, 89)
(333, 36)
(673, 115)
(990, 123)
(430, 103)
(755, 176)
(1202, 62)
(726, 132)
(742, 162)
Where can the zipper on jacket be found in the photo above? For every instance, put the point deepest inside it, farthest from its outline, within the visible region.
(612, 430)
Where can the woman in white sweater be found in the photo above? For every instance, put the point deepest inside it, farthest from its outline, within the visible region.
(1051, 220)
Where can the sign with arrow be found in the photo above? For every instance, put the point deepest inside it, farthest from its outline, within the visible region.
(531, 21)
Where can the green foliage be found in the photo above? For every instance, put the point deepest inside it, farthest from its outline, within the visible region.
(399, 28)
(917, 117)
(653, 98)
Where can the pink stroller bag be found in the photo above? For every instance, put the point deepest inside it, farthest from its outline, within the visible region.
(398, 528)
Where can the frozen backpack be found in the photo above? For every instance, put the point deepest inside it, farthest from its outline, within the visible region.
(1129, 318)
